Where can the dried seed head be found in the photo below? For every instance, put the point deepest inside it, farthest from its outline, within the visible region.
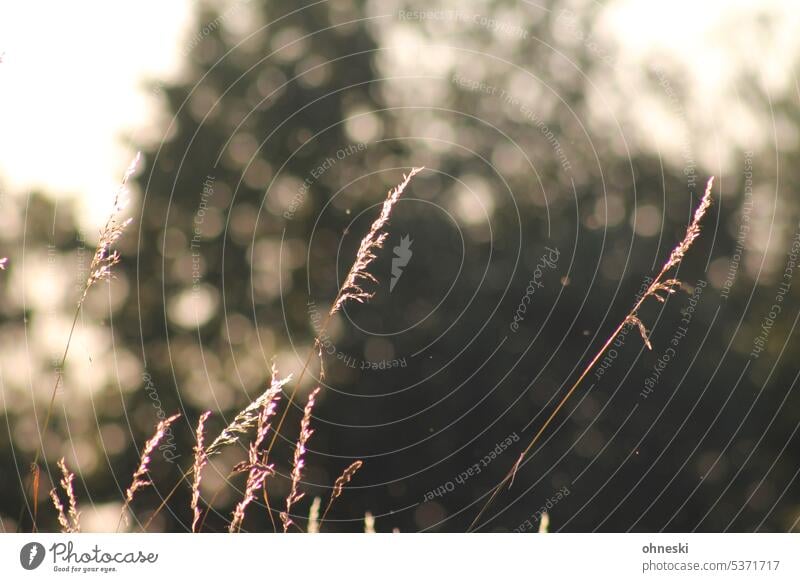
(257, 462)
(693, 231)
(139, 477)
(104, 258)
(634, 320)
(66, 527)
(69, 520)
(248, 417)
(351, 288)
(67, 479)
(299, 459)
(340, 484)
(200, 460)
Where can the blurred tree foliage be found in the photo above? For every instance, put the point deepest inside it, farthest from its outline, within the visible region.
(293, 122)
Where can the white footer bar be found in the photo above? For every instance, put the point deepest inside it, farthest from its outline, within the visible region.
(407, 557)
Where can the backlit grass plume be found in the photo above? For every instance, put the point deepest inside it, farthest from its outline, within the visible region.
(200, 460)
(256, 465)
(351, 289)
(103, 260)
(299, 460)
(240, 425)
(659, 285)
(339, 485)
(69, 519)
(669, 286)
(104, 256)
(140, 476)
(247, 418)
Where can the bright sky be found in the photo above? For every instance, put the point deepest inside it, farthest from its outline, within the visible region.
(717, 47)
(71, 84)
(71, 88)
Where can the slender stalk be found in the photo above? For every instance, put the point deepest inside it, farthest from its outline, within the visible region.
(59, 376)
(339, 486)
(350, 290)
(49, 413)
(550, 418)
(659, 284)
(103, 260)
(139, 481)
